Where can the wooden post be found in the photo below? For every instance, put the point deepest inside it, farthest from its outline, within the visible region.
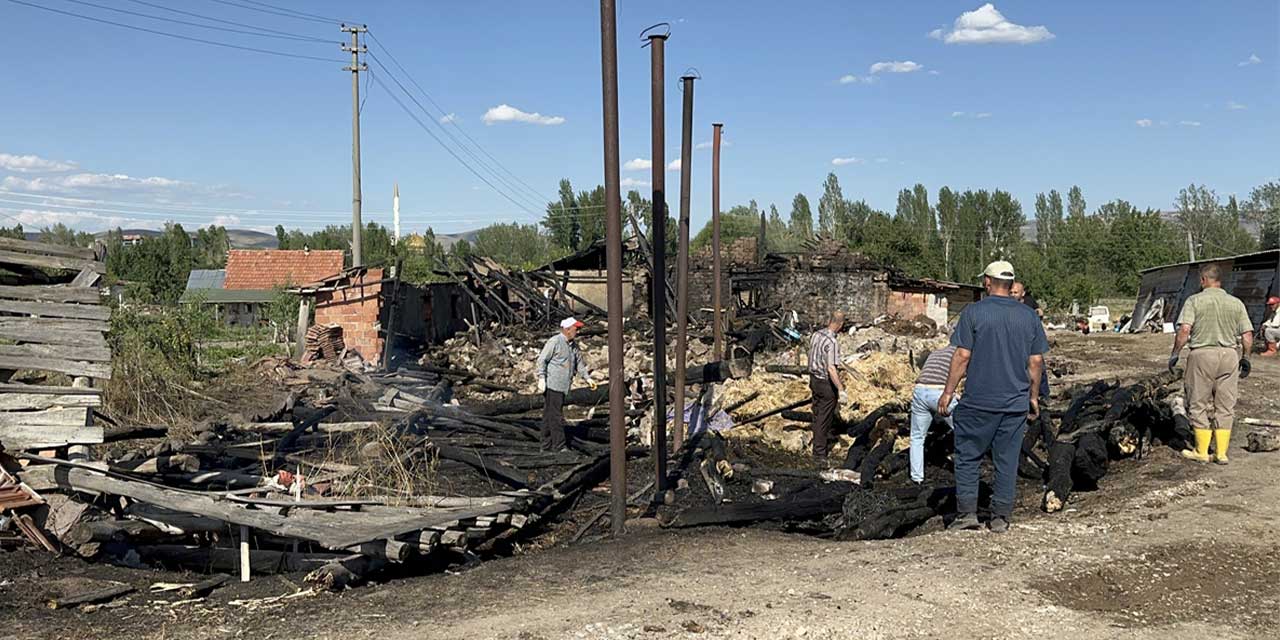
(304, 317)
(244, 553)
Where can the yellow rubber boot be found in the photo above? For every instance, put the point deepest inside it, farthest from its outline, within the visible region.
(1201, 453)
(1221, 438)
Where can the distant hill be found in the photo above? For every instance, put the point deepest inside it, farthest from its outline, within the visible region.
(240, 238)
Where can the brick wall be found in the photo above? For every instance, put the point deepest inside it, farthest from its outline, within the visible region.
(358, 310)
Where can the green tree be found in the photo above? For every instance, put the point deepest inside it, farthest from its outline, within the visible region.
(1262, 208)
(561, 220)
(66, 236)
(948, 218)
(1004, 224)
(740, 221)
(1048, 218)
(831, 207)
(515, 245)
(1075, 203)
(1135, 240)
(14, 232)
(801, 217)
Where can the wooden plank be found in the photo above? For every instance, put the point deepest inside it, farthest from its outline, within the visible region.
(82, 353)
(57, 309)
(29, 330)
(15, 387)
(28, 401)
(56, 324)
(51, 293)
(47, 249)
(335, 530)
(50, 262)
(17, 437)
(58, 365)
(64, 417)
(86, 278)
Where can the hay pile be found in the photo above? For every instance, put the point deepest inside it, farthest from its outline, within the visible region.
(872, 379)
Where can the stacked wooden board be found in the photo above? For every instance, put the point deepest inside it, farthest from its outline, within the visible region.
(51, 320)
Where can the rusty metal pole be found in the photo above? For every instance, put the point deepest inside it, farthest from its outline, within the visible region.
(682, 259)
(716, 302)
(613, 262)
(658, 234)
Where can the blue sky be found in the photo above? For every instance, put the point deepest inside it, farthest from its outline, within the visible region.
(1129, 100)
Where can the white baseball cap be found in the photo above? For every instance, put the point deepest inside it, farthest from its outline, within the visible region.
(570, 322)
(1000, 269)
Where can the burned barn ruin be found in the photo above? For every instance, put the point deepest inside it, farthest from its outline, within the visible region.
(1252, 277)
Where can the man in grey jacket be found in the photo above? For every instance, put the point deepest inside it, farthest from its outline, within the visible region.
(557, 364)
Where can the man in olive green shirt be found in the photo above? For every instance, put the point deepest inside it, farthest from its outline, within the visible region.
(1212, 323)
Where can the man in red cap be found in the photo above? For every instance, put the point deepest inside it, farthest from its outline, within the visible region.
(556, 366)
(1271, 326)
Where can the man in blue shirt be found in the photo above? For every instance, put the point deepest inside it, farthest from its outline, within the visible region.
(1000, 346)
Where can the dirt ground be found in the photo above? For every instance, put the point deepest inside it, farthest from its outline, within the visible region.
(1166, 549)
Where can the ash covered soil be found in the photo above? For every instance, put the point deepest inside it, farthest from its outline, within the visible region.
(1165, 549)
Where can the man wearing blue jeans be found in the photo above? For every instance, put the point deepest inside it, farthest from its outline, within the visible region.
(1000, 346)
(924, 404)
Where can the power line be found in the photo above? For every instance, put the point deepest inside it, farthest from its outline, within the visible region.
(175, 35)
(440, 142)
(513, 189)
(220, 20)
(298, 14)
(452, 121)
(195, 24)
(280, 11)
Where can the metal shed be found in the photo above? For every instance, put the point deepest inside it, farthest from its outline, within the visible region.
(1252, 277)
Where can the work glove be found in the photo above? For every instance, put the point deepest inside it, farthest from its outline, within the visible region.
(593, 384)
(844, 397)
(542, 385)
(1173, 362)
(1245, 368)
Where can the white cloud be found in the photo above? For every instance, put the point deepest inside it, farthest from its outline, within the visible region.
(934, 72)
(1144, 123)
(674, 165)
(979, 115)
(1252, 59)
(631, 183)
(957, 114)
(1232, 105)
(507, 113)
(852, 79)
(706, 144)
(77, 219)
(89, 181)
(448, 117)
(33, 164)
(881, 160)
(982, 114)
(905, 66)
(1189, 123)
(840, 162)
(228, 220)
(986, 25)
(637, 164)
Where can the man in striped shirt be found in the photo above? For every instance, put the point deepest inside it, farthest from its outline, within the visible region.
(824, 382)
(924, 404)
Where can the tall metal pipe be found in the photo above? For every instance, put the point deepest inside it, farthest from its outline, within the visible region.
(658, 233)
(613, 262)
(716, 302)
(682, 258)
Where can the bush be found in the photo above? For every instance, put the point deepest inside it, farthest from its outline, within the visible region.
(154, 359)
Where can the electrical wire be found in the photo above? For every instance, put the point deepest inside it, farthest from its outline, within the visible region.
(451, 152)
(452, 121)
(300, 14)
(174, 35)
(220, 20)
(279, 11)
(195, 24)
(497, 176)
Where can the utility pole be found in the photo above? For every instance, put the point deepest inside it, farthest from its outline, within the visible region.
(716, 302)
(658, 234)
(682, 257)
(1191, 248)
(613, 262)
(356, 67)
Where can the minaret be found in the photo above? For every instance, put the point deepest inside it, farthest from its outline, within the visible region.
(395, 212)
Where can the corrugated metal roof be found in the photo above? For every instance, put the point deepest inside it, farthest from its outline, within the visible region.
(1257, 254)
(206, 279)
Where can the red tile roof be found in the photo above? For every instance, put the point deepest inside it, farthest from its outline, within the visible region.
(270, 268)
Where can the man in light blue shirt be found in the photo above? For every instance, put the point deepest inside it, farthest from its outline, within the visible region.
(556, 366)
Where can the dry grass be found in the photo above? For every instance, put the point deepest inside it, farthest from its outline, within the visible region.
(385, 463)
